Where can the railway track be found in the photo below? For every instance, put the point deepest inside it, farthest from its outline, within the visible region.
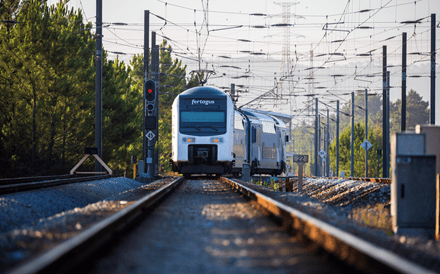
(30, 183)
(224, 246)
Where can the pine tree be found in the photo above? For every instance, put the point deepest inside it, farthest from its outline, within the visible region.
(417, 112)
(46, 78)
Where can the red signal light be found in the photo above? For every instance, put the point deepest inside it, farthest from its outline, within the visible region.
(150, 91)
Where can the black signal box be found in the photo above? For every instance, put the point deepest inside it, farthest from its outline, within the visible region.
(90, 150)
(150, 123)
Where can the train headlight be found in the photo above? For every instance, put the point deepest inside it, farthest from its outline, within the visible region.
(189, 140)
(216, 140)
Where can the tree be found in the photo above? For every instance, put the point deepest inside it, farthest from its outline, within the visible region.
(417, 112)
(374, 108)
(45, 77)
(121, 108)
(375, 138)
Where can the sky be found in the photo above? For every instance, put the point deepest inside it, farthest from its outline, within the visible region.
(327, 48)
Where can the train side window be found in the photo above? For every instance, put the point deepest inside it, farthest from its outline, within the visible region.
(254, 134)
(259, 136)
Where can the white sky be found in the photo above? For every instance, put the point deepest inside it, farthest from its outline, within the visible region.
(356, 34)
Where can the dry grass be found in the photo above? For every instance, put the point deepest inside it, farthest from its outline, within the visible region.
(361, 210)
(377, 216)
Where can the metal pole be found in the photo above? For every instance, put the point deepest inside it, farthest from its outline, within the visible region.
(151, 143)
(316, 137)
(337, 138)
(328, 142)
(319, 145)
(384, 107)
(156, 108)
(146, 62)
(366, 131)
(387, 137)
(378, 160)
(433, 28)
(98, 84)
(233, 93)
(352, 134)
(403, 114)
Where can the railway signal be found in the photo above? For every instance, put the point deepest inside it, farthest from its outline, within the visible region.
(150, 96)
(150, 124)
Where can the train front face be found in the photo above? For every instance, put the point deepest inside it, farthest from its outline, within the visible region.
(202, 137)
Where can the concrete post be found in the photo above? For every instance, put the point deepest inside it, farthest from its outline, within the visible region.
(246, 173)
(300, 177)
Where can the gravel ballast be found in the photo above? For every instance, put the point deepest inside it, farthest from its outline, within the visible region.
(36, 220)
(33, 221)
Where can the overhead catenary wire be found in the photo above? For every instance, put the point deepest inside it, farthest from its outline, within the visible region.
(331, 90)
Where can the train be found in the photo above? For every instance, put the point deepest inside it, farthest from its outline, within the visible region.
(210, 136)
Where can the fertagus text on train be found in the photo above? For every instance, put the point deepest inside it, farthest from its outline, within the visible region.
(202, 102)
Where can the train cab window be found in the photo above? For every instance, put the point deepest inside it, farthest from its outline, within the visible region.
(203, 122)
(202, 117)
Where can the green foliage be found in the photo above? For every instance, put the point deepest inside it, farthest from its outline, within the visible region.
(375, 138)
(122, 105)
(374, 109)
(417, 112)
(47, 98)
(46, 72)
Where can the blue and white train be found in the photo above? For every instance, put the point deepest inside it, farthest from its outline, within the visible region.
(210, 136)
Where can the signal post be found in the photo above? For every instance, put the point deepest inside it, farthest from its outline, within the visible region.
(148, 168)
(151, 129)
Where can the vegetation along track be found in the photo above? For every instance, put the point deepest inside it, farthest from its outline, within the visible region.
(205, 227)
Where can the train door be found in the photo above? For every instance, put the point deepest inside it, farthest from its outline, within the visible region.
(255, 146)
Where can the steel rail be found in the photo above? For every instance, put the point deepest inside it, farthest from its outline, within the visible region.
(20, 180)
(67, 255)
(12, 188)
(377, 180)
(347, 247)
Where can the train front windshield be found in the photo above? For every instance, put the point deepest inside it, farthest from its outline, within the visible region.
(203, 122)
(202, 117)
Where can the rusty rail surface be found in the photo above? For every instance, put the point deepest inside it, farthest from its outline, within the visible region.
(377, 180)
